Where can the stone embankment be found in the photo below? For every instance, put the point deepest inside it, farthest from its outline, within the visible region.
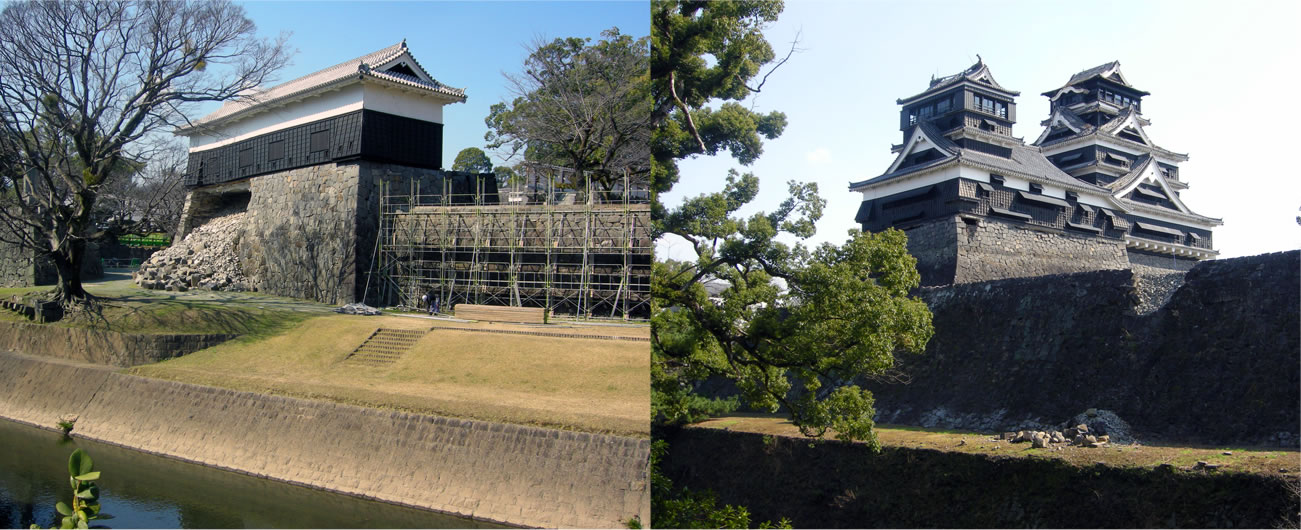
(206, 258)
(108, 348)
(505, 473)
(1208, 358)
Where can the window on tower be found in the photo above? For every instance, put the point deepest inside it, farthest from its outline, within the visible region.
(990, 105)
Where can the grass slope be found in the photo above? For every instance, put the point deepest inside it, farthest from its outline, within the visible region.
(582, 384)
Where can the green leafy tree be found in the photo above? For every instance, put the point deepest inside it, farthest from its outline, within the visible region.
(507, 176)
(580, 105)
(472, 159)
(85, 89)
(790, 325)
(703, 52)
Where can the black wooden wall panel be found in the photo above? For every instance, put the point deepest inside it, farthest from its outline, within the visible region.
(365, 134)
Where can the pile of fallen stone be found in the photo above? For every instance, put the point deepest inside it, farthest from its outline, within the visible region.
(205, 259)
(1077, 436)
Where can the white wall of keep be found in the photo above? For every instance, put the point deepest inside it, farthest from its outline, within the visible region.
(399, 102)
(353, 97)
(343, 101)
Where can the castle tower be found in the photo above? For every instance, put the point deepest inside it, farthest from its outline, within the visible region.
(979, 204)
(305, 162)
(1096, 133)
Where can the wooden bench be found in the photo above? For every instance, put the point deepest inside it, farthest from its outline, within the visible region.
(496, 313)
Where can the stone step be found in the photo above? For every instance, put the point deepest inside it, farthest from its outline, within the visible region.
(385, 346)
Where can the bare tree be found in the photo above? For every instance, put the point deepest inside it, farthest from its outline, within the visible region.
(149, 201)
(580, 105)
(86, 86)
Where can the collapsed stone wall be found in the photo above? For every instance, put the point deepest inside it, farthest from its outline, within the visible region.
(829, 484)
(1216, 364)
(205, 258)
(497, 472)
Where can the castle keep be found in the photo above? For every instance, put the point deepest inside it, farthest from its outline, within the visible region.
(1092, 192)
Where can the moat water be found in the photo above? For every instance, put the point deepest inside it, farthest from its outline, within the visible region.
(146, 491)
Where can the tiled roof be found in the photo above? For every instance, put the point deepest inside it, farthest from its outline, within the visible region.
(1106, 70)
(972, 73)
(359, 67)
(1074, 120)
(1025, 160)
(1096, 70)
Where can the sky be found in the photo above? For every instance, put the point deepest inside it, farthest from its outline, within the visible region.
(1222, 77)
(461, 44)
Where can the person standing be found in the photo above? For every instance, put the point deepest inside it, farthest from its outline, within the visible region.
(437, 298)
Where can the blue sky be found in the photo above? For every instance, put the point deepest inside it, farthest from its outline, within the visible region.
(462, 44)
(1221, 77)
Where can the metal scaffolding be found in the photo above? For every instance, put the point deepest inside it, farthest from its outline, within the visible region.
(583, 253)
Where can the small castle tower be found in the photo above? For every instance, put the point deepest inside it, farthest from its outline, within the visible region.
(980, 204)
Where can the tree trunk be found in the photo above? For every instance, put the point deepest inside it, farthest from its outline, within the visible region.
(67, 261)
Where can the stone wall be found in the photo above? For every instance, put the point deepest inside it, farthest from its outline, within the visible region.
(17, 266)
(108, 348)
(300, 233)
(1157, 264)
(993, 250)
(506, 473)
(935, 245)
(20, 267)
(828, 484)
(377, 179)
(1216, 364)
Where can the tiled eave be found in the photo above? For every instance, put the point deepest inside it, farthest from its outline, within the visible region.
(1200, 221)
(1095, 135)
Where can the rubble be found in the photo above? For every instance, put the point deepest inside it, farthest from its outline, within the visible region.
(205, 259)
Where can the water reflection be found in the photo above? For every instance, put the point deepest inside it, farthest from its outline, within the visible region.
(144, 491)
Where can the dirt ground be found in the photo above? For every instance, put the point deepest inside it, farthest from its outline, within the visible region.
(1268, 461)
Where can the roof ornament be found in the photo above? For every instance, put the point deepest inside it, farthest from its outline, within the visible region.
(363, 68)
(404, 43)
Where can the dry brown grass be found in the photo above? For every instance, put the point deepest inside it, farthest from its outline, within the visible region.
(583, 384)
(1268, 461)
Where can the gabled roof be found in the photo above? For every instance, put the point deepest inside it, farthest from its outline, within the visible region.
(1026, 161)
(1066, 118)
(978, 74)
(1145, 169)
(374, 65)
(1109, 71)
